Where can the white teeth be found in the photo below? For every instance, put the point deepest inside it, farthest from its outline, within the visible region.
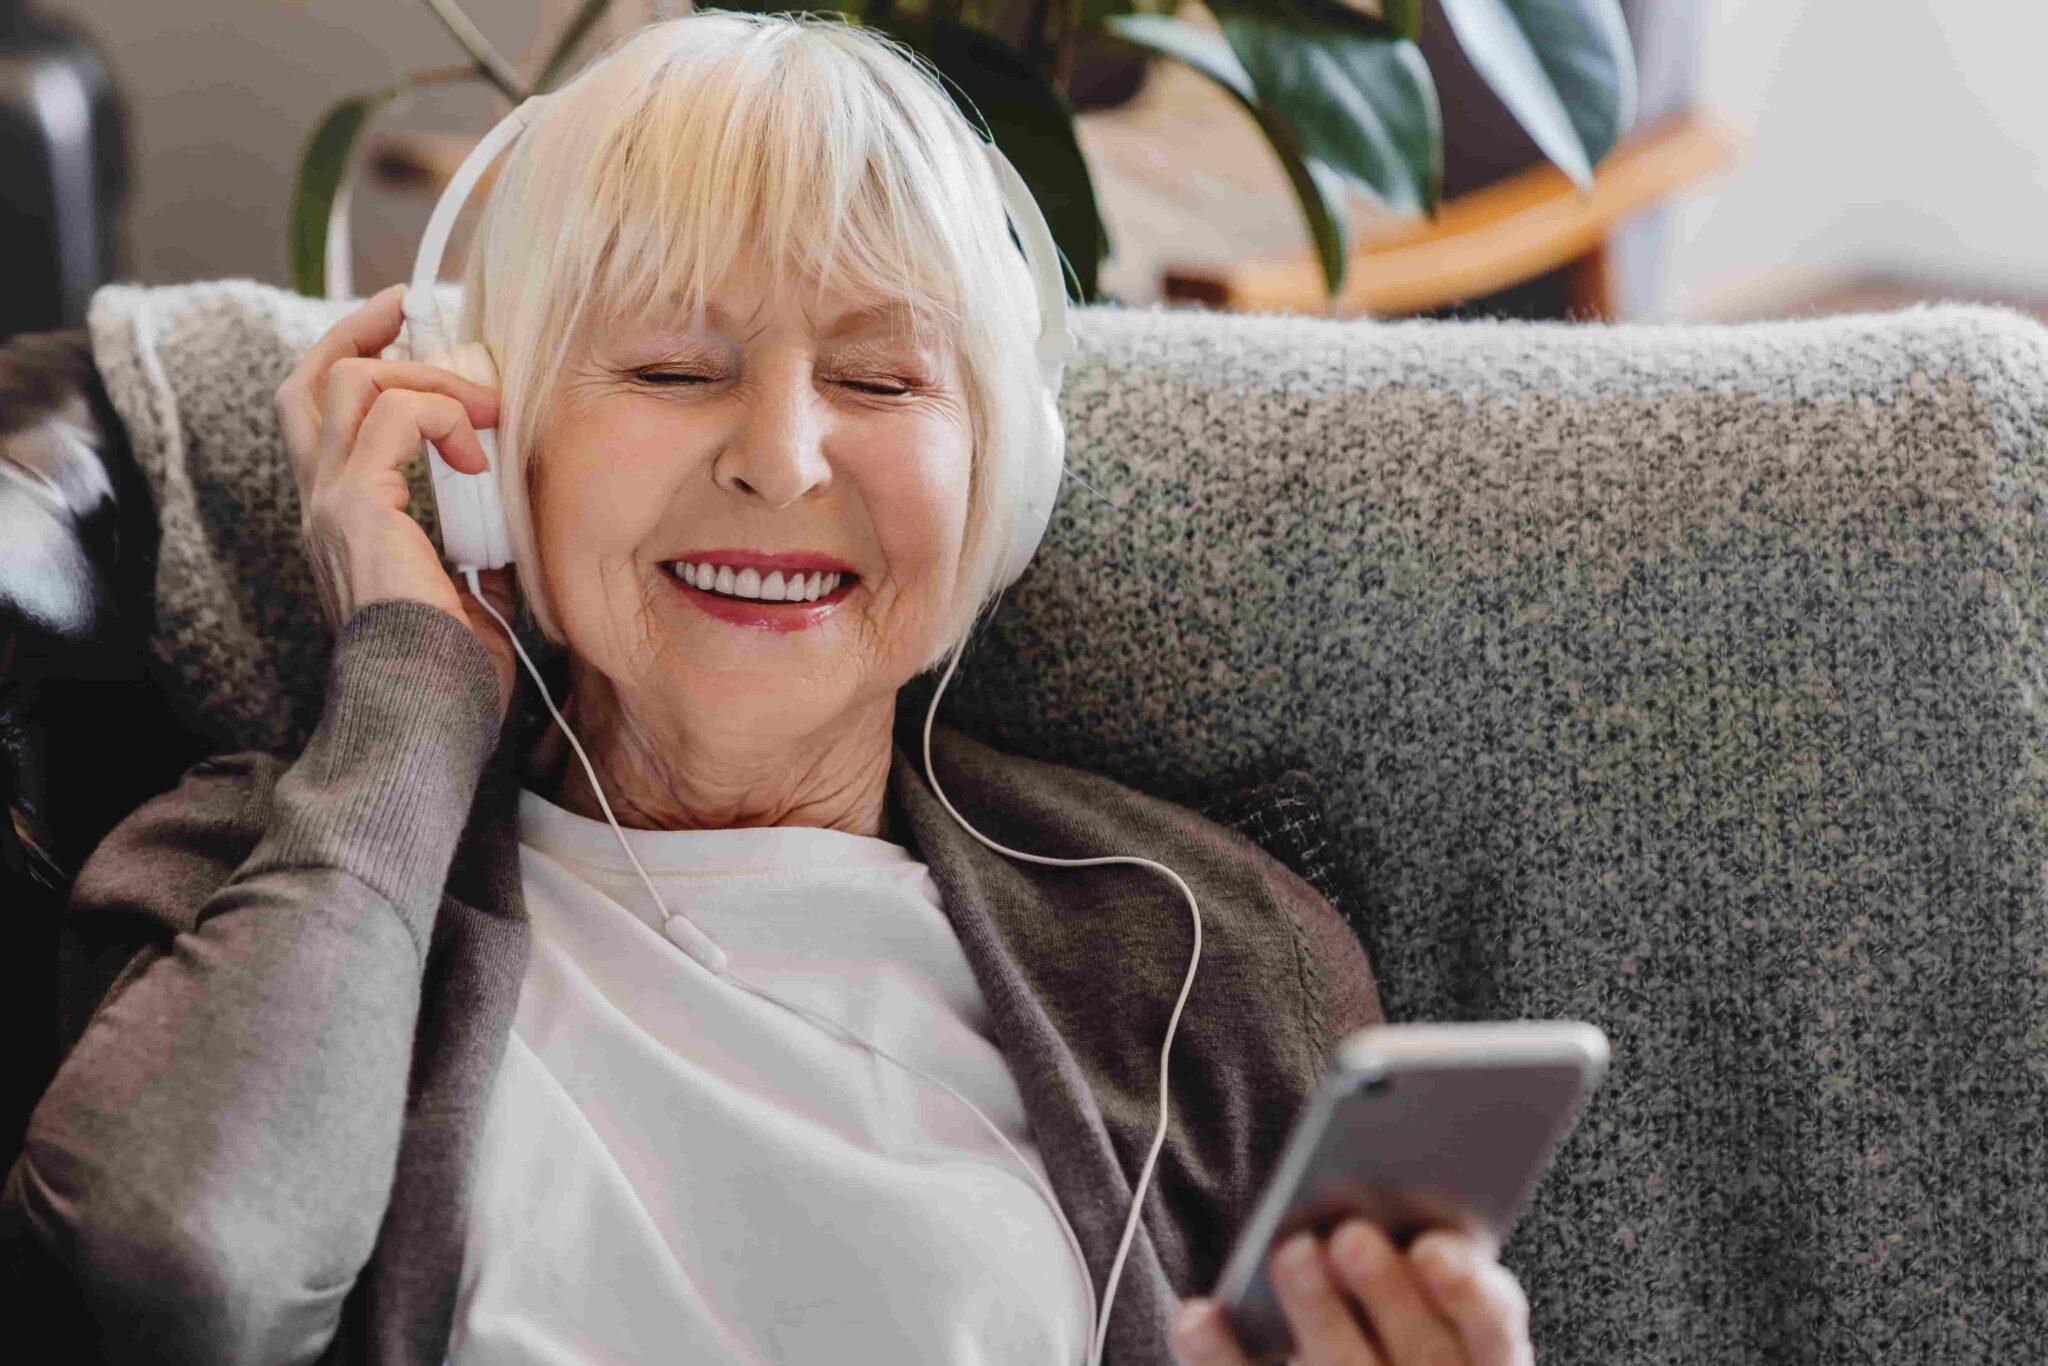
(748, 583)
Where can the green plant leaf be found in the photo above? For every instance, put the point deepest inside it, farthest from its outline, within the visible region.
(1403, 17)
(1357, 98)
(1030, 120)
(323, 161)
(591, 12)
(1320, 189)
(1564, 68)
(1093, 13)
(1340, 13)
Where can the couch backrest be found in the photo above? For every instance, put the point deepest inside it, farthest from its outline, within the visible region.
(1685, 679)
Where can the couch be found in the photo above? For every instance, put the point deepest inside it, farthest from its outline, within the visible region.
(1684, 679)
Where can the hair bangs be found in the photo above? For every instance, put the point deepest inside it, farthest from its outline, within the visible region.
(729, 164)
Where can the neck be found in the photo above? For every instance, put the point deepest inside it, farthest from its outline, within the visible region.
(711, 778)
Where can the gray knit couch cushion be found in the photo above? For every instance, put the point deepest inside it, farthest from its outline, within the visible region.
(1685, 679)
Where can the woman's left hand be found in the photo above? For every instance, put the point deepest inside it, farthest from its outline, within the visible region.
(1357, 1300)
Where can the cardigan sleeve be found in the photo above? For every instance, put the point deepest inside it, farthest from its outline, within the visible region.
(206, 1173)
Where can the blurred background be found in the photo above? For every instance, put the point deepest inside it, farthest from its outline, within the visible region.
(1784, 160)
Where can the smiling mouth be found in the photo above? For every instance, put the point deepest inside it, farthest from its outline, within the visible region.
(836, 593)
(769, 594)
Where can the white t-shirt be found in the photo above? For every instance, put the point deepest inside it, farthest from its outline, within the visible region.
(673, 1169)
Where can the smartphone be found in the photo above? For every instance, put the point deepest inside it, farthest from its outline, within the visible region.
(1414, 1127)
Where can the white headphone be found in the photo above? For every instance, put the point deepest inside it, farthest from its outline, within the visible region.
(474, 537)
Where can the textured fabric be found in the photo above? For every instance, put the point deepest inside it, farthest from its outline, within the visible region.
(1684, 679)
(211, 1159)
(1285, 816)
(673, 1167)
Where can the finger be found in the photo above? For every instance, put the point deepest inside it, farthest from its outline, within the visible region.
(1386, 1285)
(1204, 1338)
(1481, 1298)
(1326, 1330)
(399, 420)
(355, 386)
(361, 381)
(352, 385)
(366, 331)
(298, 421)
(361, 371)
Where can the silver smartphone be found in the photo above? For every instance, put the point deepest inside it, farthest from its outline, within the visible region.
(1415, 1126)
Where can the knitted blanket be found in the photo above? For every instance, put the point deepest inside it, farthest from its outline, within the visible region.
(1685, 679)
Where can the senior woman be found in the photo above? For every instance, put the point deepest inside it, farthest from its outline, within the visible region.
(382, 1053)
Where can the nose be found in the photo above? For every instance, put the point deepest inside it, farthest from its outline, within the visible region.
(777, 452)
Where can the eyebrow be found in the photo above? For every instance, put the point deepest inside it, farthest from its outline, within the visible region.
(868, 319)
(851, 323)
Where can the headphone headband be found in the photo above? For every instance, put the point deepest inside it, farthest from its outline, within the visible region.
(422, 310)
(472, 514)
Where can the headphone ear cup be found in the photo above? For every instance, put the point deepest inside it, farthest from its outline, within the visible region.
(1041, 488)
(473, 531)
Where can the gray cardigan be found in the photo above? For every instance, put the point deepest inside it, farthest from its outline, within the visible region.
(287, 988)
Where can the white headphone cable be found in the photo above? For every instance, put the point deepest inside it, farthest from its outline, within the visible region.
(707, 952)
(1116, 1269)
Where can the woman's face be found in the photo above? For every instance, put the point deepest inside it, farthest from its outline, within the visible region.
(834, 436)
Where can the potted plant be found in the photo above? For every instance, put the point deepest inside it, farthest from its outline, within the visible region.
(1339, 90)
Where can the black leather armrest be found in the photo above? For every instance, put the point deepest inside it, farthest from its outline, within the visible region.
(85, 733)
(77, 577)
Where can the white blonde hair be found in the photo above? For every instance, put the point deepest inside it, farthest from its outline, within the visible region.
(824, 149)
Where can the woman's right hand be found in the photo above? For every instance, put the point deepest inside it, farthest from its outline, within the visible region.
(351, 421)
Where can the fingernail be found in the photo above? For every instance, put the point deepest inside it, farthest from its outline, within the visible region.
(1353, 1243)
(1186, 1319)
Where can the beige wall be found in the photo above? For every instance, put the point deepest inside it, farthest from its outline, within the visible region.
(222, 92)
(1908, 138)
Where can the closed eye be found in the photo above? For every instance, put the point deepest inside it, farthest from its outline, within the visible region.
(671, 377)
